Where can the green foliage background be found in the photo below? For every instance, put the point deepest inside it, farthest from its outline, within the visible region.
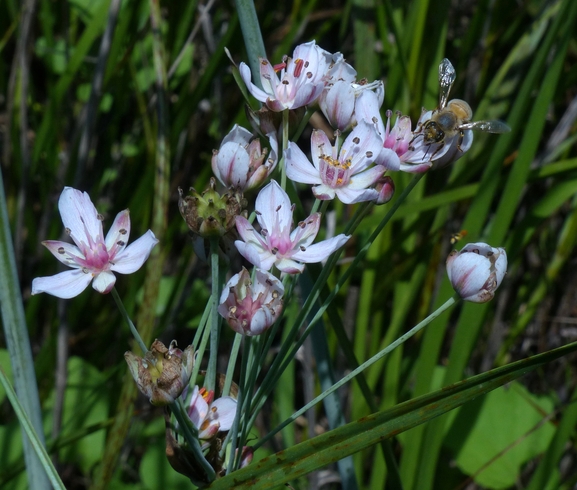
(76, 111)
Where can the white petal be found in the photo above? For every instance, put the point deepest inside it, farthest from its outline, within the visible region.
(362, 146)
(289, 266)
(320, 146)
(80, 216)
(320, 251)
(298, 167)
(104, 282)
(338, 104)
(65, 285)
(274, 207)
(324, 192)
(249, 252)
(252, 88)
(367, 108)
(237, 134)
(365, 179)
(349, 195)
(133, 256)
(226, 410)
(389, 159)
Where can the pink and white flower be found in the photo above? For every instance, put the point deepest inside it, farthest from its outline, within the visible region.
(208, 416)
(94, 258)
(406, 150)
(275, 244)
(345, 173)
(477, 271)
(300, 81)
(338, 99)
(250, 308)
(240, 163)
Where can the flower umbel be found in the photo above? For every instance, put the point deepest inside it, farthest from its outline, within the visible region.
(250, 307)
(300, 80)
(275, 244)
(94, 258)
(240, 163)
(345, 174)
(477, 271)
(163, 373)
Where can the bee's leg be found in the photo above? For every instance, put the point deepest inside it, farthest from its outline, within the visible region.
(441, 146)
(460, 142)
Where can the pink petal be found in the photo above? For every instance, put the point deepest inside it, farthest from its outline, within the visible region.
(117, 236)
(133, 256)
(72, 256)
(65, 285)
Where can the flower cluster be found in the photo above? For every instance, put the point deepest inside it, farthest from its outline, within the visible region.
(353, 167)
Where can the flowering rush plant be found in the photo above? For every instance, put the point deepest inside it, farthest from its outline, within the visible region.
(288, 216)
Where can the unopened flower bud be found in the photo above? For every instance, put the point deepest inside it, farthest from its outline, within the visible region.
(163, 372)
(240, 164)
(477, 271)
(209, 214)
(386, 188)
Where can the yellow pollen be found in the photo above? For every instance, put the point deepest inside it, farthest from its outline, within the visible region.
(333, 162)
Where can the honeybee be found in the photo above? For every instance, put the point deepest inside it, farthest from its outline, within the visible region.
(451, 117)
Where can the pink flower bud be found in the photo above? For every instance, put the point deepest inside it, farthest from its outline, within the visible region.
(477, 271)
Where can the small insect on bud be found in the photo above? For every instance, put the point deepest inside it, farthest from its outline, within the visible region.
(477, 271)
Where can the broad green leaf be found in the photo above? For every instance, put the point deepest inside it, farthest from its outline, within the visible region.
(503, 430)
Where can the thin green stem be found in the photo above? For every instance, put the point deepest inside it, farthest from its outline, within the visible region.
(37, 444)
(127, 319)
(403, 338)
(231, 364)
(210, 381)
(285, 141)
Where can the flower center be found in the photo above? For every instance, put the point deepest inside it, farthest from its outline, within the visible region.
(334, 173)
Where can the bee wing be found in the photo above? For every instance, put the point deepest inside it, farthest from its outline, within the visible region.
(447, 76)
(487, 126)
